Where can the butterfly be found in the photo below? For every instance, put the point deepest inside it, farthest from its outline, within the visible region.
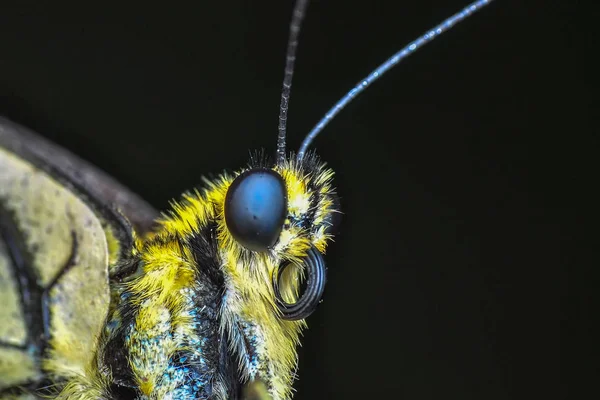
(105, 298)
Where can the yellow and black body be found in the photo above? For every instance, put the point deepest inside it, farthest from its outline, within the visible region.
(103, 298)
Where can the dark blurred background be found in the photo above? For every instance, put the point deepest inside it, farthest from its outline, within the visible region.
(457, 270)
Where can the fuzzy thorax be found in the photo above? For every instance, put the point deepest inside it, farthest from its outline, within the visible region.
(196, 287)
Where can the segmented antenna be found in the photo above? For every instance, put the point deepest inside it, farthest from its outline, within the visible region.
(290, 58)
(386, 66)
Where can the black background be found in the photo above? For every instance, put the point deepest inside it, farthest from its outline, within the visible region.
(454, 275)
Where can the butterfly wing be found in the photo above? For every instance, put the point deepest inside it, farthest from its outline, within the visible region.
(61, 230)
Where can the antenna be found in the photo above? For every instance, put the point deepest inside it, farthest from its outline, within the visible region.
(386, 66)
(290, 58)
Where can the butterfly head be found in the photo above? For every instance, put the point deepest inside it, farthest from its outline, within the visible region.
(265, 230)
(284, 214)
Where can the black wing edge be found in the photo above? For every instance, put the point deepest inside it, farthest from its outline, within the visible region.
(108, 197)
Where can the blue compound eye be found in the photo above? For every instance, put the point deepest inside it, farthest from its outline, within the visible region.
(255, 208)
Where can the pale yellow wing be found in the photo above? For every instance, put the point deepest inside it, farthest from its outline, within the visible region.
(59, 231)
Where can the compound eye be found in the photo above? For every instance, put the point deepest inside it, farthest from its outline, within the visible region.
(255, 208)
